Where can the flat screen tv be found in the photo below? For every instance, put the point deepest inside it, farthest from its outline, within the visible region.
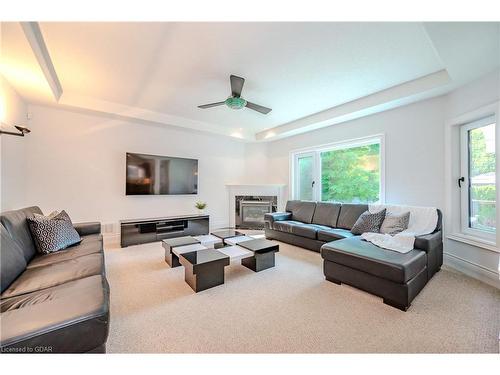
(161, 175)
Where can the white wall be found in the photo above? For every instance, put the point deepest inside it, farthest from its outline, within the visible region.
(256, 164)
(413, 150)
(76, 162)
(12, 149)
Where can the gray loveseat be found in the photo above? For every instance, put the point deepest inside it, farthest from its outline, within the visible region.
(325, 227)
(54, 303)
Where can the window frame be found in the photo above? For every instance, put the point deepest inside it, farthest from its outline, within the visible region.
(464, 155)
(296, 185)
(452, 227)
(316, 152)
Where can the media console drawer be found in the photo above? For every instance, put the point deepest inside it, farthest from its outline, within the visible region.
(135, 232)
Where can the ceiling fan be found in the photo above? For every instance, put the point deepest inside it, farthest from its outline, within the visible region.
(235, 101)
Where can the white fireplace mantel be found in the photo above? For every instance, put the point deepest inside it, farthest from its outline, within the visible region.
(253, 189)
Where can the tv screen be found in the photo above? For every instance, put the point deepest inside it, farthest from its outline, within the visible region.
(161, 175)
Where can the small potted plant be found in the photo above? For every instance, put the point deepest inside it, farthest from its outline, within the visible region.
(200, 206)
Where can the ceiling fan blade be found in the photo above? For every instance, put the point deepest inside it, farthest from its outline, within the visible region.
(210, 105)
(258, 108)
(236, 85)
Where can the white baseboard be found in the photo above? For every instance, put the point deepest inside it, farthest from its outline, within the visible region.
(472, 269)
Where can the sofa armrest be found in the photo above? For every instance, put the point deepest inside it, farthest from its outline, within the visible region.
(429, 242)
(432, 244)
(270, 218)
(90, 227)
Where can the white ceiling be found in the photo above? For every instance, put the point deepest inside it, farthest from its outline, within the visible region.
(163, 71)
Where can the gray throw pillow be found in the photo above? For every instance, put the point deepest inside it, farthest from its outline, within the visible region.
(368, 222)
(52, 233)
(394, 224)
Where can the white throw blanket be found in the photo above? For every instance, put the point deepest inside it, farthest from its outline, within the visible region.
(423, 220)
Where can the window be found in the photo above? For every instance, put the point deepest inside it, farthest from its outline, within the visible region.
(478, 178)
(305, 173)
(347, 172)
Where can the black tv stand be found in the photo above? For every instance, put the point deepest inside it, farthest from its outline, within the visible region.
(138, 231)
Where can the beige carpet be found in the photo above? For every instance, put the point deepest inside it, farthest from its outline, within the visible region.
(288, 309)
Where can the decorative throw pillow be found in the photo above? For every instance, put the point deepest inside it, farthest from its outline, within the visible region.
(368, 222)
(54, 232)
(393, 224)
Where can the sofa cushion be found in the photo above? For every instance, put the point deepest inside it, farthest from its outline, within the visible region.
(369, 222)
(38, 278)
(301, 210)
(333, 234)
(290, 205)
(16, 224)
(12, 260)
(90, 245)
(326, 213)
(305, 230)
(285, 226)
(308, 230)
(365, 256)
(71, 317)
(349, 213)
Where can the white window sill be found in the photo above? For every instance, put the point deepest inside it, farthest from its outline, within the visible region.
(474, 241)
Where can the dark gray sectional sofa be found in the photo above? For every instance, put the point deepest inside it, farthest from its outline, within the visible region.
(54, 303)
(325, 227)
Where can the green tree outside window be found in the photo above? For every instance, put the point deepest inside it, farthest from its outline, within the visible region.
(351, 175)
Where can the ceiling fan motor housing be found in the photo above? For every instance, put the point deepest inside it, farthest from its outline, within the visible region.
(235, 102)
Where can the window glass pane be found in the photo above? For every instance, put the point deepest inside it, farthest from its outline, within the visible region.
(305, 175)
(482, 192)
(351, 175)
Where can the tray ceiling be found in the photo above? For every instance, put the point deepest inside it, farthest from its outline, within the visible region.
(161, 72)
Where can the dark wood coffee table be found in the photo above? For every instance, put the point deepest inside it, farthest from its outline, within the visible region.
(204, 269)
(263, 254)
(170, 243)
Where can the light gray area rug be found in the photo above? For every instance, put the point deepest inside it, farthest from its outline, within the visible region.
(288, 309)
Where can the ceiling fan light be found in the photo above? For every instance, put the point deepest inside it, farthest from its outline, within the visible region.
(235, 103)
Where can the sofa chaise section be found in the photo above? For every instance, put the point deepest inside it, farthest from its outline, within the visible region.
(395, 277)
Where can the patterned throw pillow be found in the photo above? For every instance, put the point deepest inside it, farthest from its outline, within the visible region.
(54, 232)
(394, 224)
(368, 222)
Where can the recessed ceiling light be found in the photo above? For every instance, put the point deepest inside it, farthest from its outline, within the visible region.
(236, 135)
(270, 134)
